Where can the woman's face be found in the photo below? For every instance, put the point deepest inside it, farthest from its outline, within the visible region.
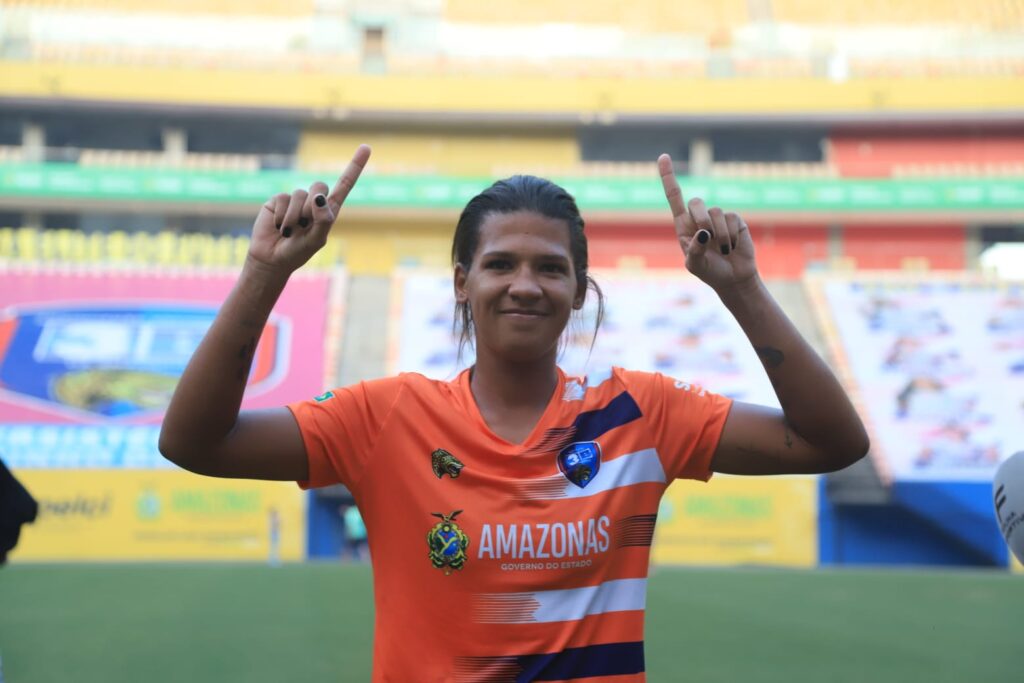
(520, 286)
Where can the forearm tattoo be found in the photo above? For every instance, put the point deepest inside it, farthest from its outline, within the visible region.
(771, 357)
(245, 356)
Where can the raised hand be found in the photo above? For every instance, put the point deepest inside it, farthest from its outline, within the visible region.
(291, 228)
(717, 244)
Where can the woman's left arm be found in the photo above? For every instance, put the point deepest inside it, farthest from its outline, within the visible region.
(817, 429)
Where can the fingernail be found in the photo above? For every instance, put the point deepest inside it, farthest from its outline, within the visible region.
(703, 236)
(287, 232)
(303, 222)
(725, 250)
(320, 200)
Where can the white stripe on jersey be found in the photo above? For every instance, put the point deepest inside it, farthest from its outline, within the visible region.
(598, 377)
(570, 604)
(640, 467)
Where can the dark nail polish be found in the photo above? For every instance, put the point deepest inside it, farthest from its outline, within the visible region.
(303, 222)
(725, 250)
(703, 236)
(320, 200)
(287, 232)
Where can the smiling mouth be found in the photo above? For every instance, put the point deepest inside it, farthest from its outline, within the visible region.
(523, 314)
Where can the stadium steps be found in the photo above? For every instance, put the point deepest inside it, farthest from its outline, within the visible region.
(364, 354)
(859, 484)
(793, 300)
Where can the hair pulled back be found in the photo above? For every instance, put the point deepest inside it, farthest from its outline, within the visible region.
(521, 193)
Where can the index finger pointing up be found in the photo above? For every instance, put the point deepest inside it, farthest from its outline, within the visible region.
(348, 178)
(673, 193)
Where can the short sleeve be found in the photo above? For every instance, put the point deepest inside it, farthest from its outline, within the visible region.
(340, 427)
(686, 419)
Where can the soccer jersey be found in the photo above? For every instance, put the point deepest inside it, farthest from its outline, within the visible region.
(503, 562)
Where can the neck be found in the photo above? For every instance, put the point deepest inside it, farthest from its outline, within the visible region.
(514, 385)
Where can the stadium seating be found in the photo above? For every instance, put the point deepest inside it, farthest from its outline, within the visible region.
(726, 39)
(140, 159)
(988, 13)
(874, 155)
(28, 245)
(230, 7)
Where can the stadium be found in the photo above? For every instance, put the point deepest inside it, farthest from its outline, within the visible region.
(876, 149)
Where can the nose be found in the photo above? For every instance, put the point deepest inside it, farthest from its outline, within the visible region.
(524, 284)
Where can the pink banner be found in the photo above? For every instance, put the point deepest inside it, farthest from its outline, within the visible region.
(106, 347)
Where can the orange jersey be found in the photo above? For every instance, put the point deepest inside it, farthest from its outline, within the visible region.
(495, 561)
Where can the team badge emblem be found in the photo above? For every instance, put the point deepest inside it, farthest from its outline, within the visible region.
(447, 543)
(444, 463)
(579, 462)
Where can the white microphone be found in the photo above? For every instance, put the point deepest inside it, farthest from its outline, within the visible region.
(1008, 498)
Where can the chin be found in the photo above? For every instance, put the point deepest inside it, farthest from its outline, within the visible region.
(526, 351)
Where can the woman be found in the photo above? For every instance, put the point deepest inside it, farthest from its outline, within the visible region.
(510, 512)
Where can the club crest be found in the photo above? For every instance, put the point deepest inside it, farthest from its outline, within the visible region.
(444, 463)
(580, 462)
(447, 543)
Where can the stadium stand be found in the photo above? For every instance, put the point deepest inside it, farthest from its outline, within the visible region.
(995, 14)
(873, 155)
(934, 363)
(792, 95)
(115, 248)
(784, 39)
(229, 7)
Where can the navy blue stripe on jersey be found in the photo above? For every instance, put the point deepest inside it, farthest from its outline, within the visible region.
(610, 659)
(620, 410)
(589, 425)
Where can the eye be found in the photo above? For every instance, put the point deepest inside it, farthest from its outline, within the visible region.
(498, 264)
(554, 268)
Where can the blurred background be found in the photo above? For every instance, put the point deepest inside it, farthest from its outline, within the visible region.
(876, 148)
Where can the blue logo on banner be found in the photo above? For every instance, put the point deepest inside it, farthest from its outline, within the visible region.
(110, 360)
(580, 462)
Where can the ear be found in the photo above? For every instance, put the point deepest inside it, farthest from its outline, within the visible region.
(581, 296)
(459, 280)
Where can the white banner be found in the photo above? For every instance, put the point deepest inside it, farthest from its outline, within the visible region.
(666, 322)
(939, 366)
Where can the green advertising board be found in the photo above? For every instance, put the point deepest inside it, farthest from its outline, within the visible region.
(69, 181)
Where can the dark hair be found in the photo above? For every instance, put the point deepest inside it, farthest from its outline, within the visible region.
(521, 193)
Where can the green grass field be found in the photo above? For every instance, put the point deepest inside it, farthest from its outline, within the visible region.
(314, 622)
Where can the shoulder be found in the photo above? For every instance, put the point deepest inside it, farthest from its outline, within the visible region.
(642, 385)
(422, 385)
(618, 378)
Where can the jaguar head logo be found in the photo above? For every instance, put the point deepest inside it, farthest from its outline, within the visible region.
(444, 463)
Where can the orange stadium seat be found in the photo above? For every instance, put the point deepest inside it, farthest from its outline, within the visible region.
(996, 14)
(643, 16)
(879, 156)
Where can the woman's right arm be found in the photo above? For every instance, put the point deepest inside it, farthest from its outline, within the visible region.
(203, 430)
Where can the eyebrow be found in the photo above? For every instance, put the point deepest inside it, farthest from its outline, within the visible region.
(512, 255)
